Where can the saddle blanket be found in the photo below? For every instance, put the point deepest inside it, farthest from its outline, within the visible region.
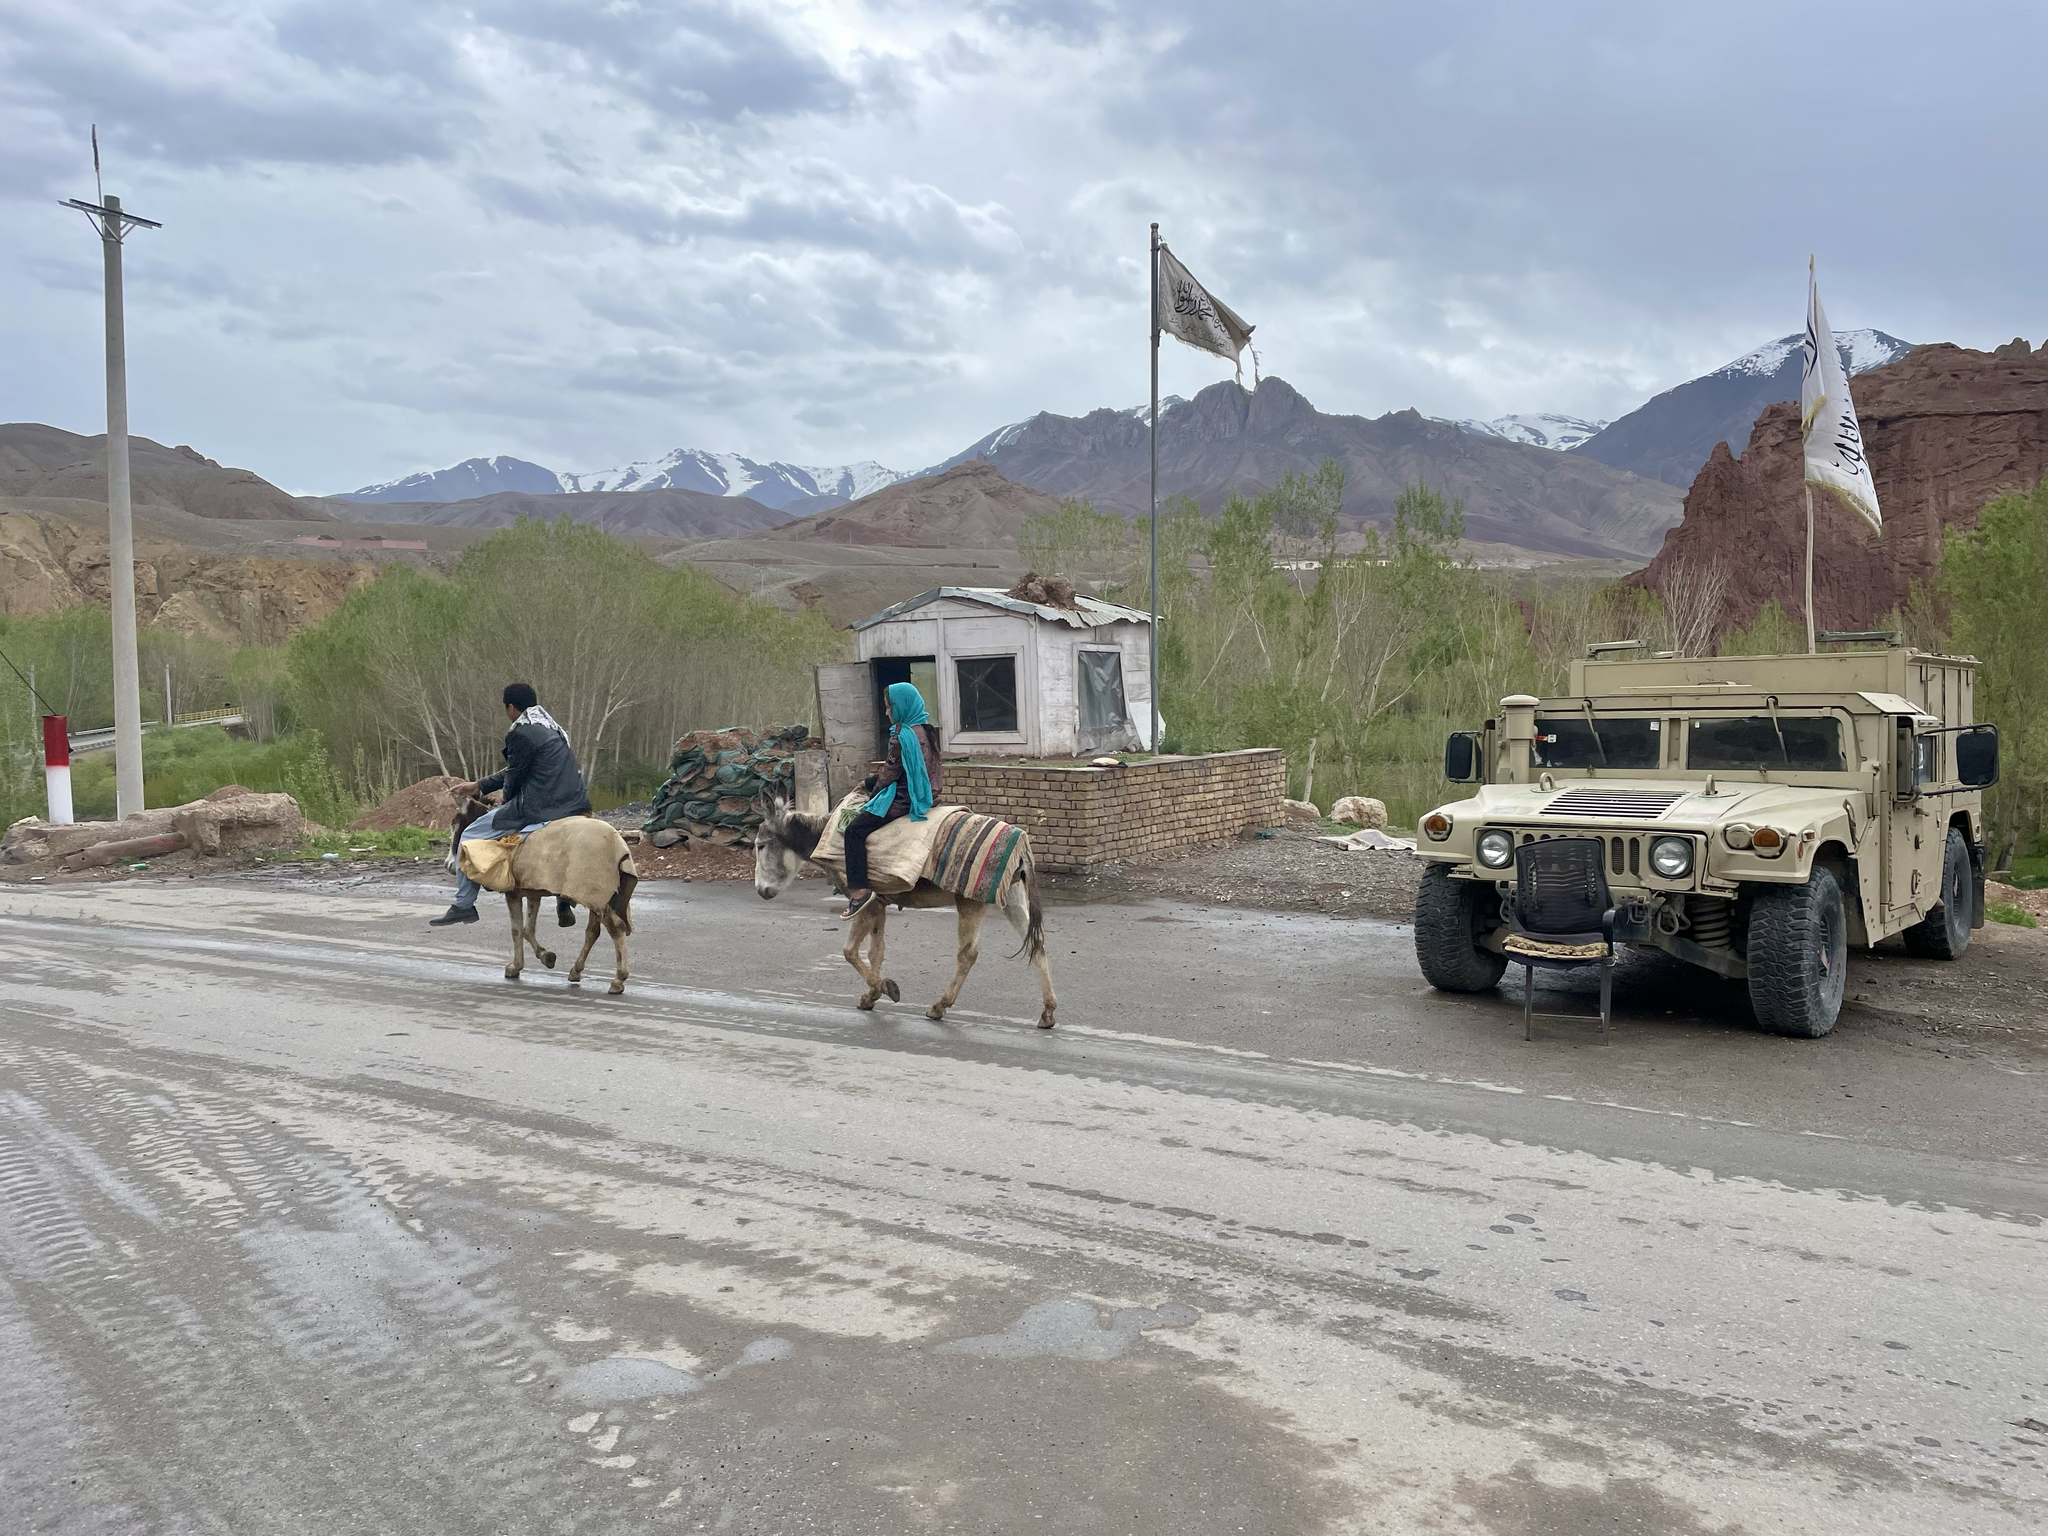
(488, 860)
(898, 854)
(978, 857)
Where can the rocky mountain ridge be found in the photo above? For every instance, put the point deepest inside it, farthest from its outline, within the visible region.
(685, 469)
(1947, 430)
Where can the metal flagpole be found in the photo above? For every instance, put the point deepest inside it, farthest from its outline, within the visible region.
(1810, 646)
(113, 226)
(1153, 648)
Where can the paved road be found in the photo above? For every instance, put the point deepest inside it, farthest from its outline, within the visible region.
(311, 1222)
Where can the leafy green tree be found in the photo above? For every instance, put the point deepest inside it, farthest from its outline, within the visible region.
(1995, 584)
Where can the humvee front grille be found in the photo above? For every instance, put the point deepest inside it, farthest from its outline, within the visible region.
(1637, 804)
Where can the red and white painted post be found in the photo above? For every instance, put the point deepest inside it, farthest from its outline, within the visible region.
(57, 768)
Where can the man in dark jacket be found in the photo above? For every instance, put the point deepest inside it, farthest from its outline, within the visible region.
(540, 781)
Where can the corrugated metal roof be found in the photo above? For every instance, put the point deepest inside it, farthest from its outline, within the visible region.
(1093, 613)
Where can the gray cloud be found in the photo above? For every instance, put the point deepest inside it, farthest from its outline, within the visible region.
(836, 229)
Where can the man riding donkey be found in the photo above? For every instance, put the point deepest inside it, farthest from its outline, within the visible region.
(541, 783)
(908, 785)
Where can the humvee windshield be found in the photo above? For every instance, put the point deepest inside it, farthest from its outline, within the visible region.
(1802, 743)
(1573, 741)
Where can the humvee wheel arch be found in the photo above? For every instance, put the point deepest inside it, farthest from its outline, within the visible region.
(1944, 933)
(1450, 916)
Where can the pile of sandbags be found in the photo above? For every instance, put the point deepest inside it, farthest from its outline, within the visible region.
(719, 782)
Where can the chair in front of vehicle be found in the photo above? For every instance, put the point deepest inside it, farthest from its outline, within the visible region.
(1564, 919)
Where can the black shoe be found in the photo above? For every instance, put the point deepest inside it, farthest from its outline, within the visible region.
(453, 915)
(565, 913)
(855, 908)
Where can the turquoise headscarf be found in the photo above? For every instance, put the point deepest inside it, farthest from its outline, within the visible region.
(906, 704)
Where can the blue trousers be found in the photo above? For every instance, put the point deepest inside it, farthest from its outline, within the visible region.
(483, 826)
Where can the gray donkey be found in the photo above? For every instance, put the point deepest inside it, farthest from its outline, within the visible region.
(788, 838)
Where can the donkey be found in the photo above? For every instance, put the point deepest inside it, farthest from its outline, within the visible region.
(788, 838)
(579, 859)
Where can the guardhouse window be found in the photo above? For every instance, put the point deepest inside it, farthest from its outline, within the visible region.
(1102, 689)
(988, 693)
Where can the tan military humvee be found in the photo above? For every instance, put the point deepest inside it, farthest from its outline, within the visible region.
(1759, 814)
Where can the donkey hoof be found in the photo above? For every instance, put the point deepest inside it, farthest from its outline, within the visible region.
(547, 958)
(575, 978)
(511, 973)
(1046, 1020)
(895, 992)
(866, 1004)
(935, 1012)
(616, 988)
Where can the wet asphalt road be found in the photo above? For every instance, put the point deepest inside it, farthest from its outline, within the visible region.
(309, 1221)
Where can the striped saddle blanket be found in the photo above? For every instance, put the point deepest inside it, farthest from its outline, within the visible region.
(977, 856)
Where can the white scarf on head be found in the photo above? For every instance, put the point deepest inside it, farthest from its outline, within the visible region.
(535, 715)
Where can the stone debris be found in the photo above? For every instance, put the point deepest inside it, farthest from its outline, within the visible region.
(1300, 813)
(1046, 591)
(210, 827)
(1360, 811)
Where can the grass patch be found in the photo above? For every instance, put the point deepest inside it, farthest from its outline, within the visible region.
(400, 843)
(2030, 872)
(2006, 912)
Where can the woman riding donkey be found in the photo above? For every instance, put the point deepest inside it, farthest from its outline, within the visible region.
(908, 785)
(541, 783)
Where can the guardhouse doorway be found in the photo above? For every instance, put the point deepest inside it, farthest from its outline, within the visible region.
(921, 672)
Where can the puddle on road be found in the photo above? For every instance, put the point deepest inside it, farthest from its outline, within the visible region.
(1070, 1329)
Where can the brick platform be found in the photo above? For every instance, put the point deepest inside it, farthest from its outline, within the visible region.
(1081, 816)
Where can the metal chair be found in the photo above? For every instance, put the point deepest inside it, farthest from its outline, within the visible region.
(1564, 917)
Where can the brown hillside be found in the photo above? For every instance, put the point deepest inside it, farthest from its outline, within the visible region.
(41, 461)
(969, 506)
(1947, 430)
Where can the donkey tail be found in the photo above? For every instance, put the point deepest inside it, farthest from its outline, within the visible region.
(622, 899)
(1034, 926)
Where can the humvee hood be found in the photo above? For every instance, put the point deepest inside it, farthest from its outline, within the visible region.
(1648, 802)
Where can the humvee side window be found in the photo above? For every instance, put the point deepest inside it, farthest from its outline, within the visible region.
(1573, 741)
(1802, 743)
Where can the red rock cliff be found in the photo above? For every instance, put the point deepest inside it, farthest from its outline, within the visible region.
(1947, 430)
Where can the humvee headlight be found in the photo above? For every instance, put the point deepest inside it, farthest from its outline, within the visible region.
(1736, 836)
(1767, 842)
(1496, 849)
(1437, 825)
(1671, 857)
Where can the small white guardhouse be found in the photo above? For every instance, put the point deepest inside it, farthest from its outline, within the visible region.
(1000, 677)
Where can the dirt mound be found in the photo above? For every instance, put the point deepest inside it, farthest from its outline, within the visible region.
(425, 804)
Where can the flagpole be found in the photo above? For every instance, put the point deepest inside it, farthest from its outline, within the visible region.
(1153, 648)
(1810, 646)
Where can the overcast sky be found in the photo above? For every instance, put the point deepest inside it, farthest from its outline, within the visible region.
(399, 233)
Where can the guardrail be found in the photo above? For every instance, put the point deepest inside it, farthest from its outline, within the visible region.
(102, 740)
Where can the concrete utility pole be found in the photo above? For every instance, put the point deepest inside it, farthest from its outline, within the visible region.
(113, 226)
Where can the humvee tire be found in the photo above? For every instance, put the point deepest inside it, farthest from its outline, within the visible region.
(1447, 927)
(1944, 933)
(1798, 956)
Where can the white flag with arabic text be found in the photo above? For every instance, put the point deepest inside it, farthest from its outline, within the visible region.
(1835, 460)
(1188, 312)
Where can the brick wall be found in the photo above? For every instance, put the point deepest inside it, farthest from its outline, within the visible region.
(1079, 816)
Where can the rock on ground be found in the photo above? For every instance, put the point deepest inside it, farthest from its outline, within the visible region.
(1300, 813)
(1360, 811)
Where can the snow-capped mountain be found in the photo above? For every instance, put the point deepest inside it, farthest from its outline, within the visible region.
(1670, 437)
(1861, 351)
(731, 474)
(688, 469)
(472, 477)
(1546, 429)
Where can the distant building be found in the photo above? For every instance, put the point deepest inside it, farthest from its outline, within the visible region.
(1001, 677)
